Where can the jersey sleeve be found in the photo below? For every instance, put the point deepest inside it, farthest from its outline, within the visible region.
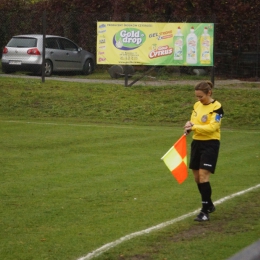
(219, 111)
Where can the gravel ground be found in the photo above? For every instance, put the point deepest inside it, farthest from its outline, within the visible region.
(155, 82)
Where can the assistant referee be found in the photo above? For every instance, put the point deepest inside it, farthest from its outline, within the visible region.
(205, 123)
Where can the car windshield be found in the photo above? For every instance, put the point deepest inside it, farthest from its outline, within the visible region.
(19, 42)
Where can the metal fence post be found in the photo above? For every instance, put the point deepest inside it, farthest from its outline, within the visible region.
(214, 39)
(43, 44)
(257, 50)
(126, 66)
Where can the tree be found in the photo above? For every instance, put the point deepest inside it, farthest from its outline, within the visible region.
(236, 21)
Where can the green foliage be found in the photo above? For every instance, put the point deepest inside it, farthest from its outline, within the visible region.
(76, 19)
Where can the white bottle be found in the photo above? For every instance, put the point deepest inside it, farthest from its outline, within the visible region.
(205, 47)
(178, 45)
(192, 47)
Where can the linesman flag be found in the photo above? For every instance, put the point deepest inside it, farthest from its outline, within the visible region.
(176, 160)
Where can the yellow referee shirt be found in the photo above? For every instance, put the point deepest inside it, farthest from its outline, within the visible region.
(206, 120)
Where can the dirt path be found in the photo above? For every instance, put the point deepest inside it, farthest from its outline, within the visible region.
(218, 83)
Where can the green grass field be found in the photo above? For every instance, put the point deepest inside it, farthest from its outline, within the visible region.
(80, 167)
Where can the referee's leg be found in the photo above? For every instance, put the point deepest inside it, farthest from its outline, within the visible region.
(201, 177)
(205, 190)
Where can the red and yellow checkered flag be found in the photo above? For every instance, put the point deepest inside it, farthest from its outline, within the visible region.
(176, 160)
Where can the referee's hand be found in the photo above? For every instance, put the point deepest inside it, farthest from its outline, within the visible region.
(187, 127)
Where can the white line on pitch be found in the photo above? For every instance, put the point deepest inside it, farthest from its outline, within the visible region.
(110, 245)
(115, 126)
(80, 125)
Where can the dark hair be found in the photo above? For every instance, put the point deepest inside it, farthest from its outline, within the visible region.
(204, 86)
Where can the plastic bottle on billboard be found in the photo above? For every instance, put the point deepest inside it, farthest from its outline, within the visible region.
(205, 47)
(178, 45)
(192, 47)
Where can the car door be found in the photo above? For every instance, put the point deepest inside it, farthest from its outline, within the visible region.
(71, 55)
(54, 53)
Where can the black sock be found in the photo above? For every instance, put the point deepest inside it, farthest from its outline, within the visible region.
(205, 191)
(198, 184)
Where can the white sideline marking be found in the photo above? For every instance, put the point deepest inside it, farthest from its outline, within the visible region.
(110, 245)
(62, 124)
(111, 126)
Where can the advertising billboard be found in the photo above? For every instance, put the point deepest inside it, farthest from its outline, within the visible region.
(160, 44)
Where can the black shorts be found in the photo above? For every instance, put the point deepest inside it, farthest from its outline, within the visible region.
(204, 155)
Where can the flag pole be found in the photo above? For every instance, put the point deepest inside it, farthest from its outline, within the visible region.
(167, 152)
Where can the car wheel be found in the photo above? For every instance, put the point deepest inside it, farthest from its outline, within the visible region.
(48, 68)
(88, 67)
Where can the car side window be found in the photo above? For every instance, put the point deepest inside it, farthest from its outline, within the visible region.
(51, 43)
(68, 45)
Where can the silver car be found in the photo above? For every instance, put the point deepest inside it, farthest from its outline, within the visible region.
(24, 53)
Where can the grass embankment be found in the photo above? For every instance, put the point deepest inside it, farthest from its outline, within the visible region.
(164, 105)
(80, 167)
